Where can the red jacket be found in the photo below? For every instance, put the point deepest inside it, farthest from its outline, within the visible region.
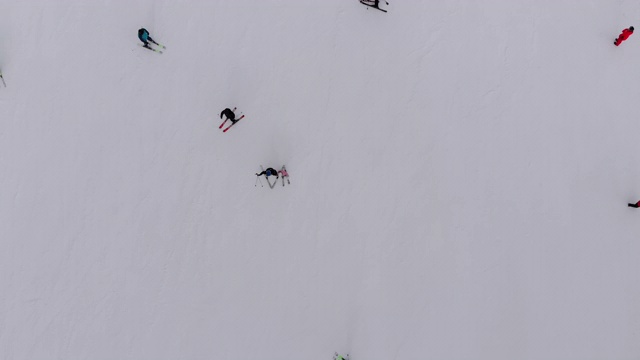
(625, 35)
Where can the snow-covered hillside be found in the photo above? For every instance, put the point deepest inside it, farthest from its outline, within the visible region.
(459, 178)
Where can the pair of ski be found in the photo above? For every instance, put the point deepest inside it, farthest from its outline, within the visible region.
(146, 46)
(374, 5)
(232, 123)
(284, 173)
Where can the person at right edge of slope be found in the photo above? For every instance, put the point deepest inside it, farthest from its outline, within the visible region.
(624, 36)
(636, 205)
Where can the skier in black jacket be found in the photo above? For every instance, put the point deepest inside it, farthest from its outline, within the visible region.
(229, 114)
(269, 172)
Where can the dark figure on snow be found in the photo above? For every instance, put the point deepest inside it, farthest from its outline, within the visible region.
(636, 205)
(373, 4)
(624, 36)
(143, 35)
(269, 172)
(229, 114)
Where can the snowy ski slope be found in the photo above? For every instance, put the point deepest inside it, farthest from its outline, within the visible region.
(459, 177)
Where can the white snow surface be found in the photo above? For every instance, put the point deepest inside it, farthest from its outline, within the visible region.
(460, 171)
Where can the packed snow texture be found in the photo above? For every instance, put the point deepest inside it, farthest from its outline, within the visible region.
(460, 172)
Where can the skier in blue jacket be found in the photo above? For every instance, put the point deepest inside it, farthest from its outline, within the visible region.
(143, 35)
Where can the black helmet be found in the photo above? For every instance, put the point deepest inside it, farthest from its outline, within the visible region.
(631, 28)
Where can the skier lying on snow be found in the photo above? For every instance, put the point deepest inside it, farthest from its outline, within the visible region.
(269, 172)
(143, 35)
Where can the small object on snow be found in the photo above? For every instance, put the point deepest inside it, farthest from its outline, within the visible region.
(2, 77)
(152, 49)
(636, 205)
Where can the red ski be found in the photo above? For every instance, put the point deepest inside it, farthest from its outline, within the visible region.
(233, 123)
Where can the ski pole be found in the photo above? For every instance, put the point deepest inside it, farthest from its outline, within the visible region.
(258, 179)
